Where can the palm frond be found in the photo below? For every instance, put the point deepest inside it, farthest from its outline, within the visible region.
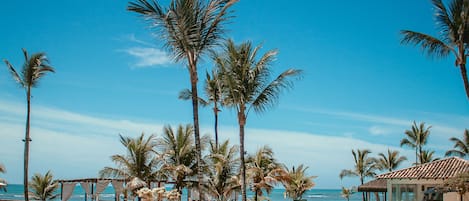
(14, 74)
(429, 44)
(269, 95)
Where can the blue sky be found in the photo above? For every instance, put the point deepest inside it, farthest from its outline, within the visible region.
(361, 88)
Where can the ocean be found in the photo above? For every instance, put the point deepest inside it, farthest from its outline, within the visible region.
(15, 192)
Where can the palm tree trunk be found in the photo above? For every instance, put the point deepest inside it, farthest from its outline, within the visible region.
(464, 78)
(215, 112)
(363, 193)
(416, 155)
(255, 196)
(27, 139)
(242, 122)
(195, 110)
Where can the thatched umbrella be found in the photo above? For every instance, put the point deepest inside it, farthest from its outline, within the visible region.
(135, 184)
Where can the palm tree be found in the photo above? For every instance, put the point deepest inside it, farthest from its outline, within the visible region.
(43, 187)
(427, 156)
(264, 172)
(190, 29)
(247, 86)
(34, 68)
(417, 136)
(390, 161)
(179, 153)
(212, 89)
(453, 25)
(298, 182)
(223, 164)
(346, 193)
(3, 181)
(461, 147)
(141, 161)
(364, 166)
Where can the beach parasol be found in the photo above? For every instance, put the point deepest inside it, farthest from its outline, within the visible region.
(135, 184)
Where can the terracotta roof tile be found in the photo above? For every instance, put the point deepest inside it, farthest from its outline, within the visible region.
(441, 169)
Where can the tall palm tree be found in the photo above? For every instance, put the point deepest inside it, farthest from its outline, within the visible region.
(223, 164)
(427, 156)
(179, 153)
(3, 181)
(34, 68)
(141, 160)
(364, 166)
(416, 137)
(453, 25)
(264, 172)
(213, 91)
(190, 28)
(390, 161)
(298, 182)
(247, 86)
(43, 187)
(461, 146)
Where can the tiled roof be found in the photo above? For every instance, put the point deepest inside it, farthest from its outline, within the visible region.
(441, 169)
(378, 185)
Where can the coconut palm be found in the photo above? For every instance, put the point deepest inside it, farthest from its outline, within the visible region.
(346, 193)
(453, 25)
(223, 164)
(179, 154)
(461, 146)
(3, 182)
(246, 86)
(264, 172)
(34, 68)
(427, 156)
(43, 187)
(212, 89)
(364, 166)
(190, 28)
(141, 161)
(390, 161)
(298, 182)
(416, 137)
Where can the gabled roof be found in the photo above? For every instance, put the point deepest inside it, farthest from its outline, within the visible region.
(440, 169)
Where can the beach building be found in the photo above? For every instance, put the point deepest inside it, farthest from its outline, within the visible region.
(419, 183)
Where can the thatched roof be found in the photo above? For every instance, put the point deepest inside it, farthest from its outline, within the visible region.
(94, 180)
(440, 169)
(378, 185)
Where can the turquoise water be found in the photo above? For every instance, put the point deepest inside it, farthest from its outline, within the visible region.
(15, 192)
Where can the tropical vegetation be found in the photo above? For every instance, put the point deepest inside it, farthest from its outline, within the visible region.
(389, 161)
(297, 182)
(416, 138)
(346, 193)
(453, 25)
(3, 182)
(247, 86)
(34, 68)
(212, 90)
(461, 146)
(178, 152)
(223, 170)
(189, 28)
(263, 171)
(140, 161)
(365, 166)
(43, 187)
(427, 156)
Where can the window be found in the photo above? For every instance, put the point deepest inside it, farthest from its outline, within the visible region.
(404, 192)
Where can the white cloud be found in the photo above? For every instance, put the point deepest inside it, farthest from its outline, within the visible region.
(148, 56)
(378, 130)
